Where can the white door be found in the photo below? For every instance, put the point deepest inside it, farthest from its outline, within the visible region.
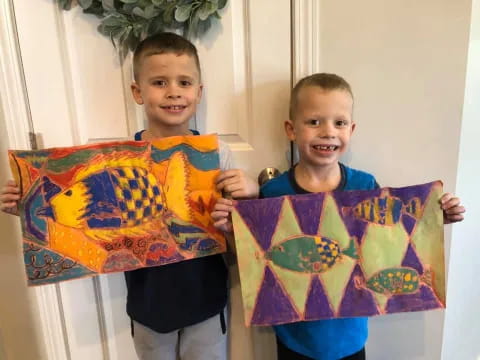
(78, 92)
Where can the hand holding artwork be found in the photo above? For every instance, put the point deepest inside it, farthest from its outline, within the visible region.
(236, 183)
(9, 197)
(221, 215)
(452, 208)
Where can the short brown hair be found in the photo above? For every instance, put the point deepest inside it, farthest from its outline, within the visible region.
(163, 43)
(321, 80)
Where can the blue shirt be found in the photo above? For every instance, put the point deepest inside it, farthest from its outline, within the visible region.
(330, 339)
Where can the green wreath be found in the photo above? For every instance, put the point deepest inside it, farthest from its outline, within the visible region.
(127, 22)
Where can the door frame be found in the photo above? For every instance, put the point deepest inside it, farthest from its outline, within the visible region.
(15, 107)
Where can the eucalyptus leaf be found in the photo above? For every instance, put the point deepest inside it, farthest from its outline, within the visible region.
(207, 9)
(115, 20)
(126, 22)
(183, 12)
(151, 11)
(168, 14)
(191, 31)
(65, 4)
(108, 5)
(85, 4)
(96, 10)
(221, 4)
(139, 12)
(156, 26)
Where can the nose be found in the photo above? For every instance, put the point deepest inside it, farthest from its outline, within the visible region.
(326, 130)
(173, 92)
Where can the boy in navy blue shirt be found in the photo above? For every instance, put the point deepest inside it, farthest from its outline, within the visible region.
(321, 125)
(177, 310)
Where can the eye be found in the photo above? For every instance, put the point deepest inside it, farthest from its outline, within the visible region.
(68, 192)
(159, 83)
(341, 122)
(314, 122)
(185, 83)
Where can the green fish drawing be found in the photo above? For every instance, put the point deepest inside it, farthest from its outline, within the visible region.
(395, 281)
(309, 254)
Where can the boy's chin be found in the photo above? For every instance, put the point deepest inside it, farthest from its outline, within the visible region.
(168, 123)
(322, 162)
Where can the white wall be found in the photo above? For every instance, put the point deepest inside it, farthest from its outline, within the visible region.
(462, 320)
(406, 62)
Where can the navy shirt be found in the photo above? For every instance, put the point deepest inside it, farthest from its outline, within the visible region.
(173, 296)
(323, 339)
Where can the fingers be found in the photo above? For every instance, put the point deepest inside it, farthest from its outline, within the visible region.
(224, 225)
(9, 197)
(452, 208)
(453, 218)
(455, 210)
(449, 201)
(11, 183)
(220, 215)
(224, 205)
(228, 174)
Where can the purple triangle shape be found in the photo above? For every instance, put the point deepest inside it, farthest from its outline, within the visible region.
(420, 191)
(346, 200)
(261, 218)
(308, 209)
(408, 223)
(357, 301)
(273, 305)
(424, 299)
(411, 260)
(317, 306)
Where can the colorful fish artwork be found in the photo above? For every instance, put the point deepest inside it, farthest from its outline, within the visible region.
(401, 280)
(117, 206)
(340, 254)
(385, 210)
(313, 254)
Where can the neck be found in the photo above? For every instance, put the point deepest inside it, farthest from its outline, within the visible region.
(318, 178)
(159, 131)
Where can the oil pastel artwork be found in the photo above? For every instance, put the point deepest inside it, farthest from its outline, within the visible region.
(116, 206)
(341, 254)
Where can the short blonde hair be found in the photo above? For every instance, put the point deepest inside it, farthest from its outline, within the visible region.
(321, 80)
(163, 43)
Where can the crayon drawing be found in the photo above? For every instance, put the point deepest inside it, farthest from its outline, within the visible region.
(116, 206)
(341, 254)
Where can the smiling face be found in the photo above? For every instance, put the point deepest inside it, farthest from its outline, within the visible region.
(322, 125)
(168, 85)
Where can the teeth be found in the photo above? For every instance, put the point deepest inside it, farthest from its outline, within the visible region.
(325, 148)
(174, 107)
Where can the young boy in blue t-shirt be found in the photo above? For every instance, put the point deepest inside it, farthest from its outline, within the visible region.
(321, 125)
(177, 310)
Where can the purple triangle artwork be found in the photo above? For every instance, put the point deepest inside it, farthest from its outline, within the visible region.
(341, 254)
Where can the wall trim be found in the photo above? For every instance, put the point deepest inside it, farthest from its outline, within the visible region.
(306, 17)
(15, 106)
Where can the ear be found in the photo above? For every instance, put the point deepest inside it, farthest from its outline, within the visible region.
(290, 130)
(354, 125)
(136, 93)
(200, 93)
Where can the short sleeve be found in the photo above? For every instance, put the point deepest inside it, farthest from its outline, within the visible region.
(226, 157)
